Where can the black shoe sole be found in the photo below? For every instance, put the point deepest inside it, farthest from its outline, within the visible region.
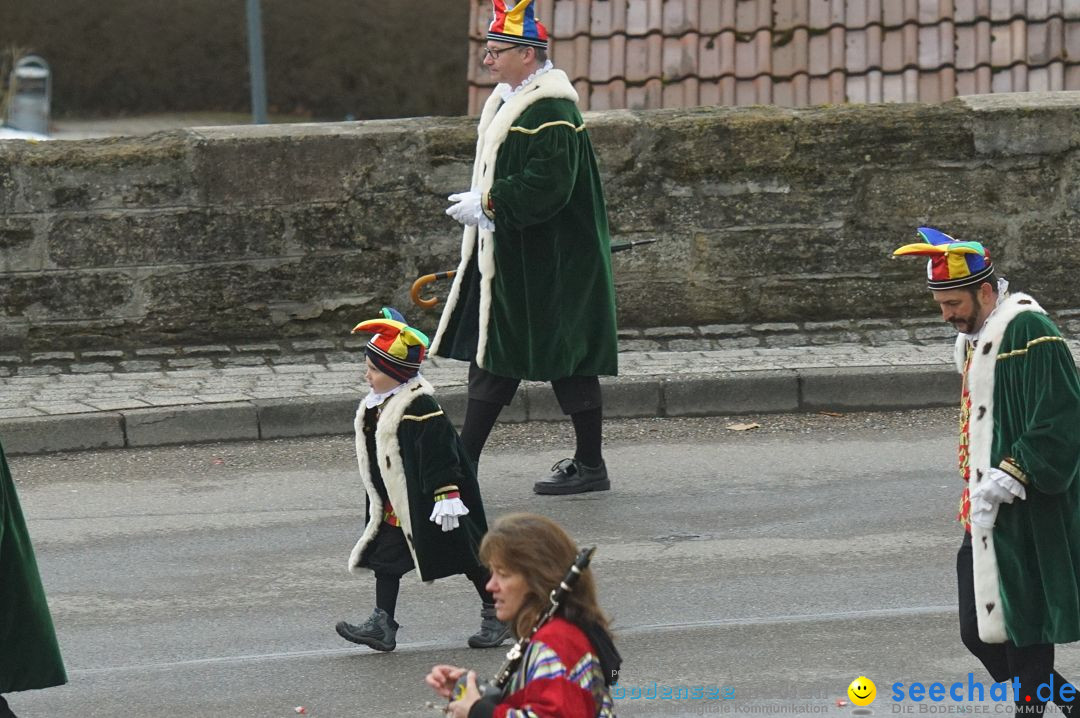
(565, 489)
(343, 631)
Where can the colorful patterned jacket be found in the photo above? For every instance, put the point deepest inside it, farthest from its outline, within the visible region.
(560, 677)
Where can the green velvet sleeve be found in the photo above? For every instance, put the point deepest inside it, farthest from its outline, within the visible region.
(545, 182)
(437, 462)
(1040, 395)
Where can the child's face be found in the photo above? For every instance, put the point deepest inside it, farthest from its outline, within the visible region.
(380, 383)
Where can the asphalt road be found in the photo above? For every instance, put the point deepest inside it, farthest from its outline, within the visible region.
(782, 561)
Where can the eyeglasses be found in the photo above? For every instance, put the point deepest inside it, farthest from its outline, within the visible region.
(494, 52)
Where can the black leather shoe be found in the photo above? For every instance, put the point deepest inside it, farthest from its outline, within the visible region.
(570, 476)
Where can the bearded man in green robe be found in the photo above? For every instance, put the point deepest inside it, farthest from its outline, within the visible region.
(1018, 567)
(29, 654)
(533, 296)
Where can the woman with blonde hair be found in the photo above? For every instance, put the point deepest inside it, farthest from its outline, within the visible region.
(570, 662)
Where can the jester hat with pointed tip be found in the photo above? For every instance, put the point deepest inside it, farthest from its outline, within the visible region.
(953, 263)
(397, 349)
(515, 21)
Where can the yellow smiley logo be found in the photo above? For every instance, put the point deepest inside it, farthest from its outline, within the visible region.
(862, 691)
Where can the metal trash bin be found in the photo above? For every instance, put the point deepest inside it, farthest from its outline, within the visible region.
(30, 94)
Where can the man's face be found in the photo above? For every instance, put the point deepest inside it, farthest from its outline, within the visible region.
(964, 309)
(507, 62)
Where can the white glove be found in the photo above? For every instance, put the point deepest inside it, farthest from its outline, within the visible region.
(996, 488)
(999, 488)
(983, 515)
(466, 208)
(447, 511)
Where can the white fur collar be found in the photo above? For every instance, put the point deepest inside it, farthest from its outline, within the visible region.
(980, 381)
(389, 460)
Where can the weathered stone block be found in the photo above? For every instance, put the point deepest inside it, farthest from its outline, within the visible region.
(1050, 273)
(161, 238)
(294, 164)
(132, 172)
(955, 192)
(856, 135)
(17, 251)
(1037, 123)
(66, 296)
(7, 184)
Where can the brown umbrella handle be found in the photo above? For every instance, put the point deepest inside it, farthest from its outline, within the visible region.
(422, 282)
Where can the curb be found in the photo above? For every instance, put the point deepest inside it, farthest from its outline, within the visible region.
(690, 395)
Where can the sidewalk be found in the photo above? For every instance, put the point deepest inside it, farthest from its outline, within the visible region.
(220, 393)
(67, 401)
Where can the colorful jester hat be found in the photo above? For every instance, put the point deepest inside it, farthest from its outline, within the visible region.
(952, 263)
(396, 349)
(517, 24)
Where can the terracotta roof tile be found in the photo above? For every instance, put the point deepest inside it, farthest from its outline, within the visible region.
(583, 16)
(855, 51)
(680, 16)
(716, 15)
(679, 57)
(1072, 41)
(1001, 46)
(790, 53)
(653, 53)
(968, 10)
(637, 17)
(1044, 41)
(564, 19)
(931, 51)
(861, 13)
(746, 16)
(708, 57)
(819, 54)
(965, 47)
(709, 93)
(897, 12)
(580, 59)
(1002, 10)
(602, 22)
(637, 59)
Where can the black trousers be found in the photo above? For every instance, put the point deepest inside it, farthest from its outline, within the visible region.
(574, 393)
(1033, 665)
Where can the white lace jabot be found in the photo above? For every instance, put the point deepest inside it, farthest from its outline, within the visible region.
(505, 90)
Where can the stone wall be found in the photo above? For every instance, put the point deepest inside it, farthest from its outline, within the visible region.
(763, 215)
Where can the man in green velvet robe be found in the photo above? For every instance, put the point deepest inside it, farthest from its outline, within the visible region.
(1018, 567)
(29, 654)
(533, 297)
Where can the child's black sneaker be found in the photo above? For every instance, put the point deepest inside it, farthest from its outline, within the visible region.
(492, 633)
(378, 632)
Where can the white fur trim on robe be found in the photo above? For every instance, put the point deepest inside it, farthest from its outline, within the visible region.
(981, 437)
(495, 124)
(389, 455)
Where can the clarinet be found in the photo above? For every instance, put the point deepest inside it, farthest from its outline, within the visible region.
(496, 686)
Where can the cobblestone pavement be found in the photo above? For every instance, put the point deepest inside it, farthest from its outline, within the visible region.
(274, 389)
